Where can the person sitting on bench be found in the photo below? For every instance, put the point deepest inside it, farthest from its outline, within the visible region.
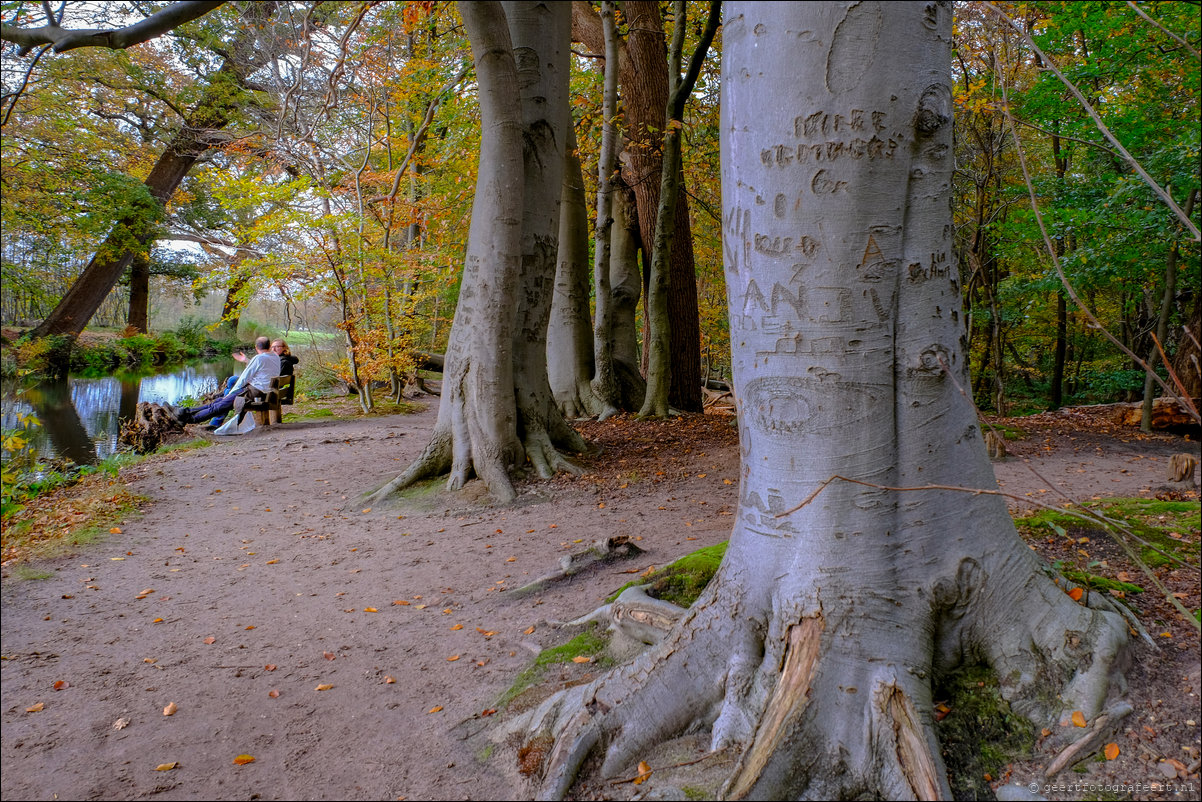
(258, 374)
(287, 362)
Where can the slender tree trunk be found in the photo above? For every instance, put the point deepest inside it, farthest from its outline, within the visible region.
(625, 289)
(605, 382)
(570, 333)
(1056, 399)
(1162, 322)
(812, 652)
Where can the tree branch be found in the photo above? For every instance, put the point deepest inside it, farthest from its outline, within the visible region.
(1135, 165)
(63, 39)
(1184, 43)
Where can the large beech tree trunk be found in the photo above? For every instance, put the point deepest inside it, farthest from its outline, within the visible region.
(496, 409)
(813, 650)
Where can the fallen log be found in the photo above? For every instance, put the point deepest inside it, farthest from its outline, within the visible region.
(1167, 413)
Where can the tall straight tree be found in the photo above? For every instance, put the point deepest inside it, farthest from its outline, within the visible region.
(644, 79)
(854, 577)
(497, 410)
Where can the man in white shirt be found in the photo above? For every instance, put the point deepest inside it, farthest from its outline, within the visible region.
(258, 374)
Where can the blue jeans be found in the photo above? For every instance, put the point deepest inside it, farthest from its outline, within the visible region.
(229, 385)
(217, 409)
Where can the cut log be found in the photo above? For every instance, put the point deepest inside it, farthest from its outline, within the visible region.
(1166, 413)
(1181, 467)
(150, 425)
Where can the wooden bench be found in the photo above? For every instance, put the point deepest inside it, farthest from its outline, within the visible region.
(268, 408)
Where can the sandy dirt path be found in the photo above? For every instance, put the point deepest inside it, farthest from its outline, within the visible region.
(255, 569)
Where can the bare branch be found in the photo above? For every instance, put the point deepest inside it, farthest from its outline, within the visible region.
(1184, 43)
(1072, 293)
(24, 83)
(1102, 148)
(1135, 165)
(63, 39)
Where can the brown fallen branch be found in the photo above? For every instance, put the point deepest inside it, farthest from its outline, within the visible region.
(607, 549)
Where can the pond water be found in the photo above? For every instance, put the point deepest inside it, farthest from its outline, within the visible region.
(80, 417)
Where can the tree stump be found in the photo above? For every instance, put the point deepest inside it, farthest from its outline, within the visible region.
(1181, 467)
(150, 424)
(996, 444)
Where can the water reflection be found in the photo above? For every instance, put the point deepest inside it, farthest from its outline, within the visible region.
(81, 417)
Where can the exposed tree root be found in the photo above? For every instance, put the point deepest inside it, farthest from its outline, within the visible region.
(619, 547)
(769, 683)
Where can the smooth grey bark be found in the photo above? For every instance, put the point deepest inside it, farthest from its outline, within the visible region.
(625, 290)
(569, 334)
(605, 383)
(541, 34)
(813, 651)
(496, 408)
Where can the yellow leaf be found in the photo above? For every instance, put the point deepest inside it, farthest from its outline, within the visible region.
(511, 559)
(157, 621)
(116, 530)
(529, 631)
(401, 602)
(170, 709)
(435, 709)
(35, 708)
(457, 627)
(210, 639)
(644, 773)
(1078, 719)
(389, 680)
(166, 766)
(1111, 751)
(323, 687)
(452, 658)
(581, 659)
(242, 760)
(272, 562)
(370, 610)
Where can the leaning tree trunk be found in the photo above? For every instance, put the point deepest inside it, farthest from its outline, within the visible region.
(134, 233)
(813, 650)
(496, 407)
(138, 317)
